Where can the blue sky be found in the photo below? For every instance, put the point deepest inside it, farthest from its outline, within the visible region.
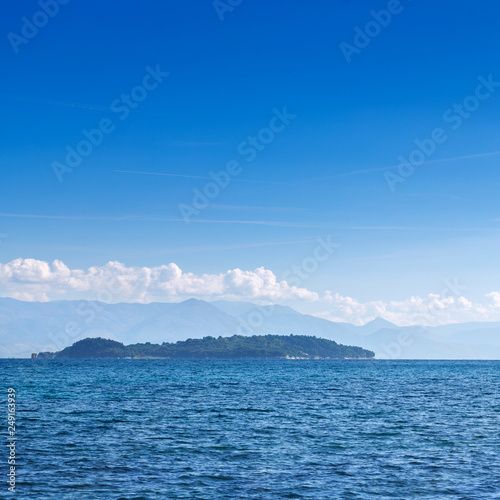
(225, 79)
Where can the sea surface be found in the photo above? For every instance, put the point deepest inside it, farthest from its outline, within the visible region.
(253, 429)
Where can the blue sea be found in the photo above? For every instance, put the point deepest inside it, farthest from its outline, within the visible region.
(253, 429)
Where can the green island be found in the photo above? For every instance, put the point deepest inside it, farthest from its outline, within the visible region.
(235, 347)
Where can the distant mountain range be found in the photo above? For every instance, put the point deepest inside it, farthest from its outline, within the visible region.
(27, 327)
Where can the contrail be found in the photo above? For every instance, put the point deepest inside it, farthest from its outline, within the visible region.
(236, 246)
(134, 218)
(382, 169)
(90, 107)
(57, 103)
(141, 218)
(195, 177)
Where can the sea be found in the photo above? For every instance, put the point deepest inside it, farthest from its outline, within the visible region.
(251, 429)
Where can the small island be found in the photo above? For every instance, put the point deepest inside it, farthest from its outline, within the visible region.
(235, 347)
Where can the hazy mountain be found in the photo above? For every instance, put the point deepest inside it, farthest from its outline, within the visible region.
(255, 319)
(376, 325)
(27, 327)
(417, 343)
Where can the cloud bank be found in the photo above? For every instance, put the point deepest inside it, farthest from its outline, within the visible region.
(31, 279)
(432, 310)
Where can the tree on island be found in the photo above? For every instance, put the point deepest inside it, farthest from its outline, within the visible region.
(235, 347)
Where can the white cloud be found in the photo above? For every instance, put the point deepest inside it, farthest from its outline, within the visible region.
(431, 310)
(495, 298)
(30, 279)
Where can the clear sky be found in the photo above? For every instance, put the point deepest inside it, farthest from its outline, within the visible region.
(347, 106)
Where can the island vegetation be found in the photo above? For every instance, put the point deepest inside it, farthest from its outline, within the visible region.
(237, 346)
